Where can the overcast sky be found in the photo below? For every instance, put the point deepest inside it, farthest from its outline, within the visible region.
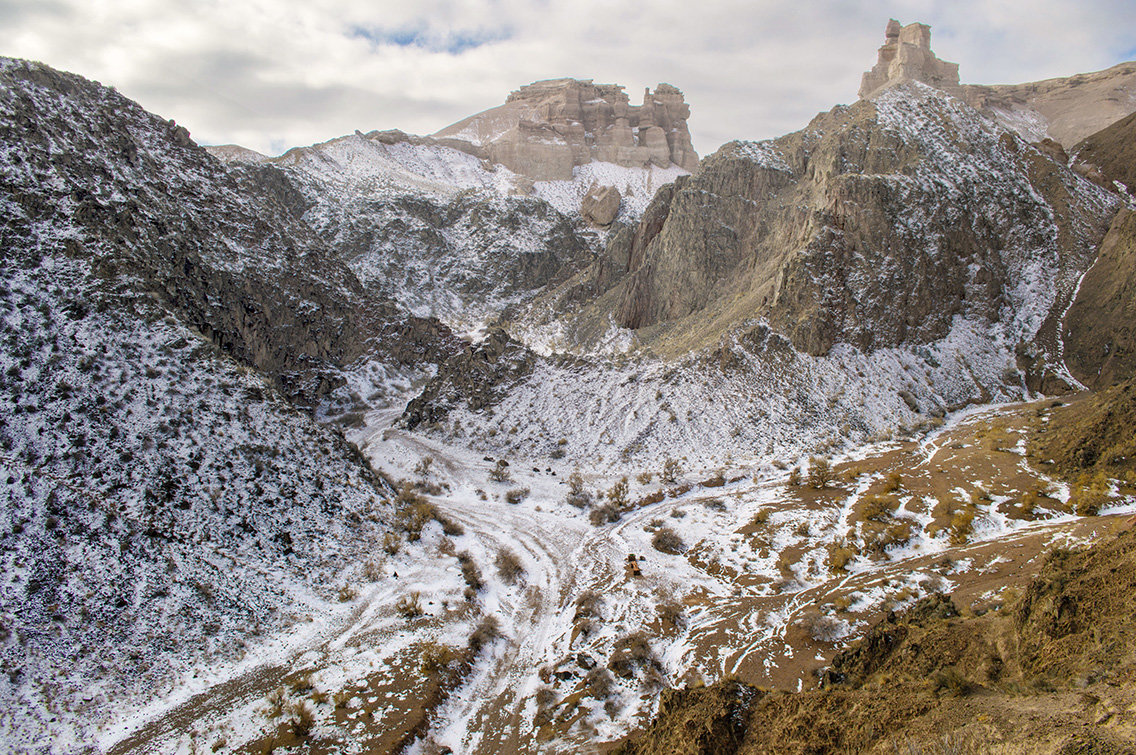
(271, 74)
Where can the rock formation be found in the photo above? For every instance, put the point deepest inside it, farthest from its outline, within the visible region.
(547, 128)
(907, 56)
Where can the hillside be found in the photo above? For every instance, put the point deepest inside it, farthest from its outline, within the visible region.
(166, 508)
(1066, 109)
(899, 258)
(1051, 672)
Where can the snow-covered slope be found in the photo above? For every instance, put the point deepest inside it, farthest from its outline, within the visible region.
(163, 507)
(446, 234)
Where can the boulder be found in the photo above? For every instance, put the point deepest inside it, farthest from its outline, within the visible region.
(600, 205)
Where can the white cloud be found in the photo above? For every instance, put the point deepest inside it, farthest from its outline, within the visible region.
(275, 74)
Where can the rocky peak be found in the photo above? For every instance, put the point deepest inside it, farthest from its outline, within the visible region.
(547, 128)
(906, 56)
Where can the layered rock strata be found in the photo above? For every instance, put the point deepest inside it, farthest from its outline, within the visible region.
(547, 128)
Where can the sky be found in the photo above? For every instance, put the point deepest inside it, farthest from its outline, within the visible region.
(272, 74)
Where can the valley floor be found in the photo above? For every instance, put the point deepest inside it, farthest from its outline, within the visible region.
(765, 581)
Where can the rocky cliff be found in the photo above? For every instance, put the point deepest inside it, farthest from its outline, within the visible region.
(878, 225)
(547, 128)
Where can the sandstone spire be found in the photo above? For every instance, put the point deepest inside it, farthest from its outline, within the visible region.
(906, 56)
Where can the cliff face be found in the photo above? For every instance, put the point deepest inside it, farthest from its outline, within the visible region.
(878, 225)
(546, 128)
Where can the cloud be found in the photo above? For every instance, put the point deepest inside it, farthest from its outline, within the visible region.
(276, 73)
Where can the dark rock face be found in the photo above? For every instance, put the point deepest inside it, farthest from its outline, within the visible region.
(477, 377)
(875, 226)
(1100, 327)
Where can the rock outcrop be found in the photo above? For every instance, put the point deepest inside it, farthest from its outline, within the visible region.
(546, 128)
(906, 56)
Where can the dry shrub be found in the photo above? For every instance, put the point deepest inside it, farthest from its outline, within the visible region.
(630, 653)
(672, 614)
(509, 566)
(667, 540)
(609, 512)
(820, 472)
(962, 526)
(486, 631)
(516, 495)
(435, 659)
(577, 495)
(839, 556)
(500, 472)
(303, 719)
(277, 702)
(672, 470)
(617, 496)
(588, 605)
(599, 683)
(877, 507)
(471, 574)
(410, 606)
(950, 681)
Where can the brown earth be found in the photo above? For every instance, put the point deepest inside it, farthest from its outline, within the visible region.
(1111, 153)
(1052, 673)
(1100, 327)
